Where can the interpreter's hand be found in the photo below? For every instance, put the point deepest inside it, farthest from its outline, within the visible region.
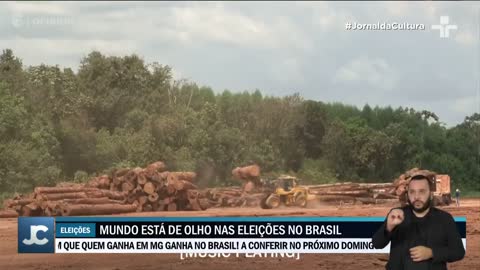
(420, 253)
(395, 217)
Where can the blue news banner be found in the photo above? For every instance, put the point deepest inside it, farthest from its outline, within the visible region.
(202, 234)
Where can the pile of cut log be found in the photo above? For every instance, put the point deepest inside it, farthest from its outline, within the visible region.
(230, 197)
(126, 190)
(155, 189)
(68, 200)
(402, 181)
(348, 192)
(248, 195)
(367, 193)
(249, 176)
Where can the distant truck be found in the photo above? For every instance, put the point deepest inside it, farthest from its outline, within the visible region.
(442, 194)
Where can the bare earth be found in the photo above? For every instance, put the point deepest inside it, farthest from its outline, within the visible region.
(10, 259)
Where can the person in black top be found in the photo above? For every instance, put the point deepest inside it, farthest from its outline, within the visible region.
(421, 235)
(457, 197)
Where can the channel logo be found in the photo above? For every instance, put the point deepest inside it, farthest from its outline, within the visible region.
(36, 235)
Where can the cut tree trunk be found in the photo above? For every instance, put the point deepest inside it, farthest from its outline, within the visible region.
(127, 186)
(386, 201)
(385, 196)
(184, 185)
(357, 193)
(187, 176)
(114, 195)
(148, 208)
(163, 175)
(61, 196)
(102, 200)
(334, 198)
(8, 213)
(155, 206)
(194, 204)
(131, 198)
(121, 172)
(153, 197)
(141, 178)
(21, 202)
(171, 178)
(118, 180)
(172, 207)
(142, 200)
(171, 188)
(246, 173)
(32, 209)
(101, 209)
(149, 188)
(156, 167)
(49, 190)
(366, 200)
(168, 200)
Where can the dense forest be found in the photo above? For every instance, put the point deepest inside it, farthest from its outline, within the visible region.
(59, 125)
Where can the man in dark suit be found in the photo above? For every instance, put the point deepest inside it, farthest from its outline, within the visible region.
(422, 236)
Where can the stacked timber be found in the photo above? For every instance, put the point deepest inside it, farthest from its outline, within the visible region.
(367, 193)
(9, 213)
(126, 190)
(154, 189)
(249, 176)
(348, 192)
(402, 181)
(230, 197)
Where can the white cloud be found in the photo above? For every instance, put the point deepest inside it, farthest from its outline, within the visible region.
(209, 23)
(288, 71)
(465, 106)
(215, 23)
(192, 24)
(397, 8)
(46, 8)
(376, 72)
(323, 15)
(326, 17)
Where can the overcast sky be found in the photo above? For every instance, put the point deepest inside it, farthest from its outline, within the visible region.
(280, 48)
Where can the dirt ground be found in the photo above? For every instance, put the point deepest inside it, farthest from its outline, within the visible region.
(10, 259)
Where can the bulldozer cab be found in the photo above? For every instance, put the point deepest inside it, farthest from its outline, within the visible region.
(287, 191)
(286, 183)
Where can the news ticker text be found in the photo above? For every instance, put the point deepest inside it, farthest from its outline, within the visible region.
(203, 235)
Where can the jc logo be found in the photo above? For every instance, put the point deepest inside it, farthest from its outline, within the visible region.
(34, 229)
(36, 235)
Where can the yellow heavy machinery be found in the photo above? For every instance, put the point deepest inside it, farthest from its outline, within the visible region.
(284, 190)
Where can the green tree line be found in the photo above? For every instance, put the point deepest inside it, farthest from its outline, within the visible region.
(59, 125)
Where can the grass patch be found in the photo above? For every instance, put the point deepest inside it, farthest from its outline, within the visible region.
(468, 194)
(4, 196)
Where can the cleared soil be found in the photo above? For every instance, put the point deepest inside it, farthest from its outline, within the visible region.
(10, 259)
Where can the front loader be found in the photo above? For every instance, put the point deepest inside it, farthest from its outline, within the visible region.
(286, 191)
